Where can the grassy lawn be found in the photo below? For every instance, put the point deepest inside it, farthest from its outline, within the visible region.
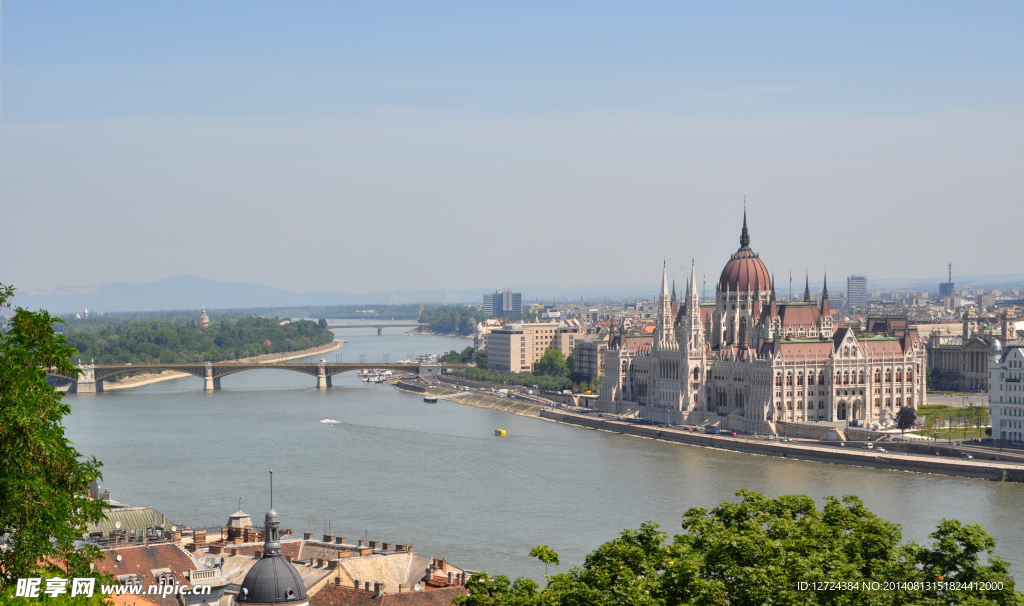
(959, 433)
(930, 409)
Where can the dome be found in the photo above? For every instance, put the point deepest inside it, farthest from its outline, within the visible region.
(745, 270)
(272, 580)
(203, 315)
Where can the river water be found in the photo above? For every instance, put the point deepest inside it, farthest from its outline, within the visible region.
(434, 475)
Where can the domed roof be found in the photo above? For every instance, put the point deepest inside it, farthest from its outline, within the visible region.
(745, 270)
(203, 315)
(272, 580)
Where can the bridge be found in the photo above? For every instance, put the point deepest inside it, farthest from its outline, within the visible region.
(93, 375)
(380, 325)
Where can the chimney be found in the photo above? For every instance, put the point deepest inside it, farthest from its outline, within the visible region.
(387, 546)
(362, 543)
(259, 553)
(307, 535)
(367, 587)
(378, 589)
(373, 544)
(328, 538)
(339, 540)
(356, 584)
(451, 578)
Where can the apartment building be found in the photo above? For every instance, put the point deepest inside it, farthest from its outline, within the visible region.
(518, 347)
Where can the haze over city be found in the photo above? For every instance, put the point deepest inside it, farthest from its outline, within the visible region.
(363, 148)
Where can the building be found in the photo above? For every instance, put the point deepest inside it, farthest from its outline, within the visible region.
(856, 291)
(946, 289)
(1006, 398)
(503, 304)
(746, 361)
(204, 320)
(589, 355)
(483, 329)
(960, 360)
(517, 347)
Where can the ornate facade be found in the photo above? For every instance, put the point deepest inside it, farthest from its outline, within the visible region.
(747, 361)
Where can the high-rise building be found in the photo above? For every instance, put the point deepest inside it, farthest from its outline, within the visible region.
(946, 289)
(857, 291)
(503, 304)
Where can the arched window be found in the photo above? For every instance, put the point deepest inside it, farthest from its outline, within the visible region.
(810, 378)
(846, 378)
(888, 375)
(696, 374)
(910, 376)
(860, 379)
(876, 402)
(821, 378)
(789, 379)
(899, 375)
(839, 378)
(878, 375)
(800, 378)
(898, 403)
(888, 403)
(709, 375)
(778, 380)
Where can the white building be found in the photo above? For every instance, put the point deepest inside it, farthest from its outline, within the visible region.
(1005, 396)
(746, 361)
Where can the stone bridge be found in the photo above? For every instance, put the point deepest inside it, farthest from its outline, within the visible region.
(93, 375)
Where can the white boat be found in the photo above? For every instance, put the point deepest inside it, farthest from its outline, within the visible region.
(430, 399)
(328, 421)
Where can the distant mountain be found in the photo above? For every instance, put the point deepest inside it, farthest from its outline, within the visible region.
(190, 292)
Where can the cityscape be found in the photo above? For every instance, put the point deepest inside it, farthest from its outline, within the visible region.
(348, 305)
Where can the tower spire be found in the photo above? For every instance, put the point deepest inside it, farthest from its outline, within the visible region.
(807, 287)
(745, 235)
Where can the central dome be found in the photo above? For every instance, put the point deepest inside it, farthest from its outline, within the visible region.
(745, 271)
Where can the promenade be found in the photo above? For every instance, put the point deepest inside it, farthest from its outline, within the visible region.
(825, 452)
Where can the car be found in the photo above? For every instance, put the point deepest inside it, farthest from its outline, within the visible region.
(966, 455)
(734, 434)
(867, 446)
(771, 437)
(842, 444)
(994, 459)
(882, 450)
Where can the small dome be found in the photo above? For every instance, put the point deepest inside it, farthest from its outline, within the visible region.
(271, 517)
(272, 580)
(203, 315)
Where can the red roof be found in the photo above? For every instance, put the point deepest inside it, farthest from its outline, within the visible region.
(743, 270)
(341, 595)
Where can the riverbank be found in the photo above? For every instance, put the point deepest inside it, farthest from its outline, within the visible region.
(169, 375)
(826, 452)
(472, 398)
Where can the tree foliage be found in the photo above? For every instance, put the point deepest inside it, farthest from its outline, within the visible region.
(552, 363)
(455, 357)
(759, 551)
(167, 343)
(44, 481)
(905, 418)
(452, 320)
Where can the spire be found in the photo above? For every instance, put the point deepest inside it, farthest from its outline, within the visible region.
(271, 540)
(745, 236)
(825, 309)
(824, 289)
(807, 288)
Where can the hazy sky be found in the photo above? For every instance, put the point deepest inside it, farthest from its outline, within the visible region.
(376, 146)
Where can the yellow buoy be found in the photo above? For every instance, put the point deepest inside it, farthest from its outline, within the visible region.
(500, 432)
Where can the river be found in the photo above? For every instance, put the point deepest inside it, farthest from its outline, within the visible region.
(435, 476)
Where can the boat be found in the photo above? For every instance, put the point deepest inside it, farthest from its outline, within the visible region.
(500, 433)
(328, 421)
(430, 399)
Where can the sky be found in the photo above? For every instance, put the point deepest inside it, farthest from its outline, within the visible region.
(386, 146)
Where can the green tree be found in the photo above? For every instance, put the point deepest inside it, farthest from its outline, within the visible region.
(552, 363)
(905, 418)
(759, 550)
(44, 482)
(544, 554)
(480, 358)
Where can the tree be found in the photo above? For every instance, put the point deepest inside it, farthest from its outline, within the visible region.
(480, 357)
(905, 418)
(544, 554)
(552, 363)
(759, 551)
(44, 502)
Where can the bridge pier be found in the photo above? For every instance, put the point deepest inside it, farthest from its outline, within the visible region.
(86, 382)
(323, 380)
(209, 382)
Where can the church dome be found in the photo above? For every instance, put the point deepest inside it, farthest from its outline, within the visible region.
(745, 270)
(272, 580)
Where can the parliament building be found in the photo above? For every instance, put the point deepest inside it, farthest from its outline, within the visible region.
(747, 361)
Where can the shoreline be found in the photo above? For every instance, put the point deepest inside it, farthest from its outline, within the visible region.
(170, 375)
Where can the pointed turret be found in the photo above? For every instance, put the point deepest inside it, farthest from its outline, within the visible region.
(675, 305)
(807, 288)
(825, 310)
(694, 325)
(665, 325)
(745, 235)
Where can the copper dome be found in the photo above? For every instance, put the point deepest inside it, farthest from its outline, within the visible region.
(745, 271)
